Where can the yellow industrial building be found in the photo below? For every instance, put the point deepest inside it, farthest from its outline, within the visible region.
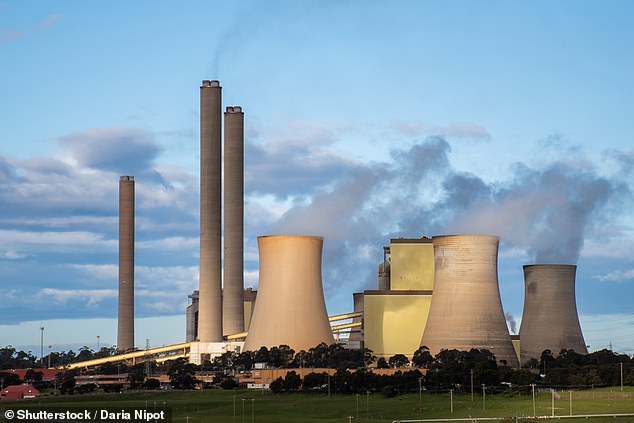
(394, 318)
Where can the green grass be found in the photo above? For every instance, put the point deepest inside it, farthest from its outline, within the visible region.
(217, 406)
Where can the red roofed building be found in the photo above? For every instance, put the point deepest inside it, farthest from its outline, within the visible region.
(16, 392)
(48, 375)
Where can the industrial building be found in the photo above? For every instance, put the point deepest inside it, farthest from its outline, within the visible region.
(394, 316)
(440, 292)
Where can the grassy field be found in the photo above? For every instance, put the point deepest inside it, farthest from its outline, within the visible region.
(217, 406)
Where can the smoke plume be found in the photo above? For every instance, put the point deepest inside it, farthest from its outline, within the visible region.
(510, 321)
(546, 212)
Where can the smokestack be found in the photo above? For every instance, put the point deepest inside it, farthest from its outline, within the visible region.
(290, 309)
(550, 320)
(125, 331)
(233, 288)
(210, 291)
(466, 308)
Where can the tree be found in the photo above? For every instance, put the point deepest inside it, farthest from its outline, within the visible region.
(68, 386)
(314, 380)
(32, 376)
(422, 357)
(9, 379)
(398, 360)
(281, 356)
(12, 359)
(292, 381)
(533, 363)
(151, 383)
(136, 375)
(277, 385)
(382, 364)
(546, 360)
(85, 353)
(67, 383)
(228, 383)
(181, 374)
(114, 388)
(262, 355)
(225, 361)
(86, 388)
(245, 360)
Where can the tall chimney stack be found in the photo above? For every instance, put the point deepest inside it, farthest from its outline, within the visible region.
(233, 289)
(125, 333)
(210, 303)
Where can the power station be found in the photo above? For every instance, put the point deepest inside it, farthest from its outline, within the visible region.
(440, 292)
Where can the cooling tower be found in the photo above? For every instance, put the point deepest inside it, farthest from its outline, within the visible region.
(290, 309)
(210, 290)
(466, 309)
(125, 330)
(549, 320)
(384, 276)
(233, 287)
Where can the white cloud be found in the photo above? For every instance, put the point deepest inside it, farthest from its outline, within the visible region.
(251, 278)
(12, 255)
(175, 243)
(99, 271)
(616, 276)
(57, 240)
(91, 296)
(453, 130)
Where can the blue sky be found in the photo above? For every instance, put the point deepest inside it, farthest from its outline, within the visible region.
(364, 121)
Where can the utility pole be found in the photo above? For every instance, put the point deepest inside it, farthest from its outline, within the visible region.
(41, 345)
(471, 385)
(328, 385)
(420, 394)
(552, 392)
(484, 396)
(451, 399)
(570, 392)
(533, 387)
(147, 361)
(357, 395)
(252, 403)
(621, 377)
(367, 406)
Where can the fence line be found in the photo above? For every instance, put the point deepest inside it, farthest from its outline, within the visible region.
(516, 419)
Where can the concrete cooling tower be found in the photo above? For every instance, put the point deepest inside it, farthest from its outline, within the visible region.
(466, 309)
(125, 330)
(549, 319)
(290, 309)
(210, 302)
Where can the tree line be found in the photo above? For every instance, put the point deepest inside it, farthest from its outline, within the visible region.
(449, 369)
